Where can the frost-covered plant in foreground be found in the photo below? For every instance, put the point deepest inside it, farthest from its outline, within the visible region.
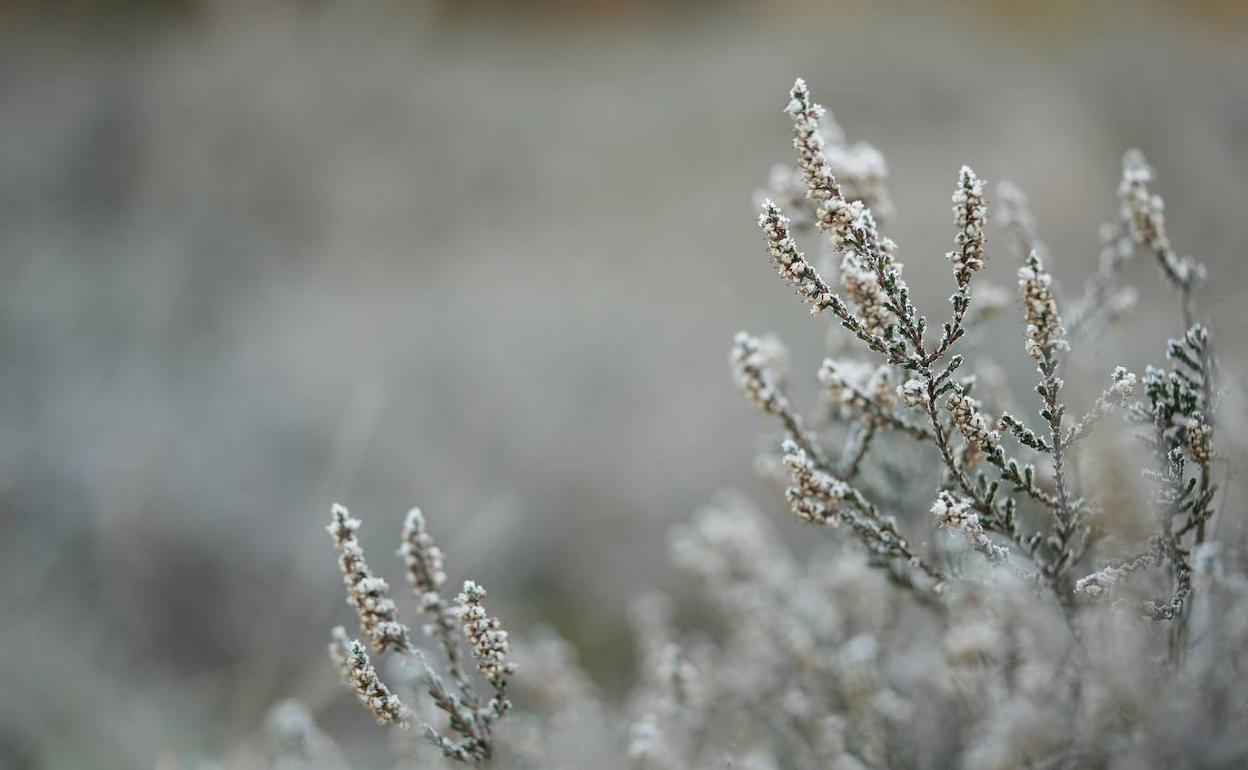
(993, 595)
(469, 716)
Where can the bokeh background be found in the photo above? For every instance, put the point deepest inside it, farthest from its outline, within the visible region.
(257, 257)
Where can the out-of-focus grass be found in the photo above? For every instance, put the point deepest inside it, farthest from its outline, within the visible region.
(255, 262)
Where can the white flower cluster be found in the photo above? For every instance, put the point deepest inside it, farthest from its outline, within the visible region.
(425, 569)
(821, 186)
(814, 494)
(1044, 323)
(486, 638)
(825, 155)
(368, 594)
(971, 422)
(850, 223)
(958, 514)
(1200, 443)
(1145, 213)
(970, 216)
(863, 288)
(359, 674)
(1122, 391)
(1143, 210)
(857, 386)
(754, 368)
(471, 716)
(790, 262)
(913, 393)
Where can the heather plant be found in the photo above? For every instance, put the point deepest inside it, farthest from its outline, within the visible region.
(983, 480)
(470, 716)
(994, 596)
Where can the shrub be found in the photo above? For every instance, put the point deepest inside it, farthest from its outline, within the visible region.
(994, 597)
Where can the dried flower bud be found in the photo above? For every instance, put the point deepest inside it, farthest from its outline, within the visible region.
(486, 638)
(863, 289)
(958, 514)
(368, 594)
(1200, 443)
(814, 495)
(368, 687)
(913, 393)
(970, 217)
(857, 387)
(971, 422)
(790, 262)
(425, 568)
(756, 373)
(1044, 323)
(1145, 213)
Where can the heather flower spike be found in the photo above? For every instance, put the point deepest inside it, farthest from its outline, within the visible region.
(368, 594)
(470, 717)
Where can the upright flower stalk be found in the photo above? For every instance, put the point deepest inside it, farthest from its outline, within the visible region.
(469, 716)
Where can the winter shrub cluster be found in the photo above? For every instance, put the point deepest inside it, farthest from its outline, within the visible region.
(997, 586)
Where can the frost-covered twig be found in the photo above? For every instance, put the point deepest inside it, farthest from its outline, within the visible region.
(958, 514)
(426, 573)
(1145, 213)
(488, 643)
(368, 687)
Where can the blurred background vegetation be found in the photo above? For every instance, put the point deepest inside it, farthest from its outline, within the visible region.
(484, 257)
